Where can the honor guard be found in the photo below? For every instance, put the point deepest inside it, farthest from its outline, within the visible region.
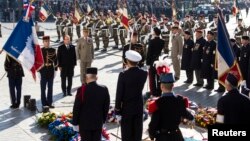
(115, 27)
(134, 45)
(77, 23)
(97, 31)
(143, 31)
(239, 31)
(105, 33)
(58, 25)
(47, 72)
(123, 33)
(70, 26)
(90, 26)
(63, 25)
(165, 34)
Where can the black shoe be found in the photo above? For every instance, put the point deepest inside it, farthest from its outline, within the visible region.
(188, 82)
(64, 94)
(220, 90)
(176, 78)
(104, 50)
(115, 47)
(12, 106)
(120, 48)
(51, 106)
(69, 94)
(198, 85)
(96, 49)
(208, 87)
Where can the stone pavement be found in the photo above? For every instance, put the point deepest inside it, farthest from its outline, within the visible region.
(21, 123)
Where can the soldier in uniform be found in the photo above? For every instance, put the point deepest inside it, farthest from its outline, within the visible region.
(134, 45)
(154, 51)
(47, 72)
(186, 56)
(143, 31)
(58, 26)
(176, 51)
(213, 26)
(129, 102)
(14, 73)
(105, 33)
(187, 25)
(70, 26)
(171, 109)
(239, 31)
(66, 56)
(201, 24)
(93, 96)
(244, 63)
(85, 52)
(165, 34)
(233, 107)
(208, 61)
(97, 31)
(63, 25)
(197, 52)
(115, 26)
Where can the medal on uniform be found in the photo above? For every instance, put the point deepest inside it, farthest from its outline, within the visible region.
(207, 50)
(196, 46)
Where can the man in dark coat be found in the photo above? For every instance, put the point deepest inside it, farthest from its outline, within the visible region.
(129, 101)
(154, 51)
(186, 56)
(47, 72)
(208, 61)
(233, 108)
(245, 64)
(91, 107)
(197, 57)
(66, 56)
(164, 124)
(14, 73)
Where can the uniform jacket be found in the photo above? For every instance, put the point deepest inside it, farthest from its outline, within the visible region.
(13, 68)
(245, 63)
(85, 49)
(197, 53)
(187, 54)
(208, 59)
(177, 45)
(154, 50)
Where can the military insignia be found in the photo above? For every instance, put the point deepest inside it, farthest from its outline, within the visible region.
(196, 46)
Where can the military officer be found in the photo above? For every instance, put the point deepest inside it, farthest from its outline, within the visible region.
(233, 108)
(93, 96)
(244, 63)
(208, 61)
(239, 31)
(58, 25)
(196, 60)
(14, 73)
(85, 53)
(134, 45)
(66, 55)
(165, 34)
(176, 51)
(171, 109)
(186, 56)
(48, 72)
(129, 102)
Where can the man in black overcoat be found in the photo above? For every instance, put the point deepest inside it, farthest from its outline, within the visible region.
(66, 55)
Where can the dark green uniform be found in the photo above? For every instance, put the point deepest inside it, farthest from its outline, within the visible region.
(58, 27)
(97, 30)
(123, 33)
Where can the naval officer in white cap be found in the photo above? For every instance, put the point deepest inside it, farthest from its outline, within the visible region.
(129, 101)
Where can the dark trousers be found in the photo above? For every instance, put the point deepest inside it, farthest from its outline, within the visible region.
(47, 99)
(131, 127)
(198, 77)
(190, 75)
(63, 85)
(78, 31)
(15, 86)
(58, 32)
(154, 84)
(91, 135)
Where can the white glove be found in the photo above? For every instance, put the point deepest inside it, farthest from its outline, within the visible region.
(76, 128)
(243, 83)
(179, 57)
(118, 118)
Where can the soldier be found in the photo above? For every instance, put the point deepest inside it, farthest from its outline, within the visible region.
(187, 25)
(202, 25)
(143, 31)
(197, 57)
(90, 26)
(154, 51)
(115, 26)
(88, 122)
(0, 30)
(208, 61)
(14, 73)
(244, 64)
(186, 56)
(213, 26)
(97, 31)
(176, 51)
(70, 26)
(48, 72)
(165, 34)
(134, 45)
(123, 33)
(105, 34)
(58, 25)
(63, 25)
(129, 102)
(85, 52)
(233, 108)
(171, 109)
(235, 48)
(239, 31)
(78, 27)
(66, 55)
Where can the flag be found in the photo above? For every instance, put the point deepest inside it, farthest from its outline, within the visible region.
(23, 46)
(174, 13)
(78, 13)
(226, 59)
(44, 13)
(124, 17)
(235, 8)
(29, 8)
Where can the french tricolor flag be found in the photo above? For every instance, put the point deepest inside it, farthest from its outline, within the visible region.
(23, 46)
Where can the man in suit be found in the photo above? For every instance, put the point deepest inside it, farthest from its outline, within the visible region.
(154, 51)
(91, 107)
(47, 72)
(66, 56)
(171, 109)
(233, 108)
(14, 73)
(176, 51)
(85, 52)
(129, 102)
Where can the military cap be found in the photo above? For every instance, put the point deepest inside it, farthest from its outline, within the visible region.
(187, 32)
(176, 22)
(239, 19)
(167, 78)
(199, 31)
(245, 38)
(46, 37)
(175, 27)
(233, 40)
(154, 20)
(166, 19)
(232, 79)
(211, 33)
(133, 56)
(91, 70)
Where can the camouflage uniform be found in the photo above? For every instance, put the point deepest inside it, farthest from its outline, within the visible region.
(97, 32)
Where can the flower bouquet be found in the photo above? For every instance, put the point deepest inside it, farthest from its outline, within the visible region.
(205, 117)
(46, 119)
